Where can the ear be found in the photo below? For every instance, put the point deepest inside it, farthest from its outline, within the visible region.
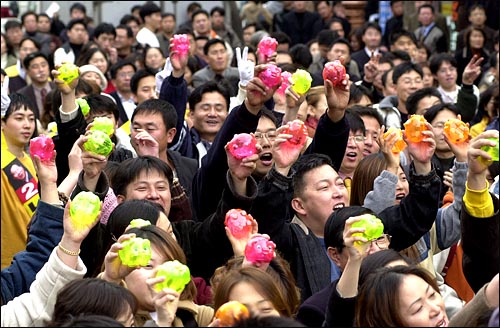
(171, 134)
(120, 199)
(298, 206)
(334, 254)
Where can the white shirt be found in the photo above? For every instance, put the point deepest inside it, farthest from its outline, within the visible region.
(146, 36)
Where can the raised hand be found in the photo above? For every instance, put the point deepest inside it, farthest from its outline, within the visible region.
(241, 169)
(64, 87)
(355, 251)
(240, 244)
(477, 158)
(245, 66)
(421, 152)
(165, 301)
(472, 70)
(114, 270)
(371, 68)
(93, 164)
(257, 92)
(386, 143)
(145, 144)
(284, 156)
(337, 97)
(459, 150)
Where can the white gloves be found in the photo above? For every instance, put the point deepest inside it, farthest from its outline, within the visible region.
(5, 96)
(161, 75)
(245, 66)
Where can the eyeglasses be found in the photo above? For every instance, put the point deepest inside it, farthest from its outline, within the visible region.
(125, 74)
(270, 135)
(357, 139)
(383, 241)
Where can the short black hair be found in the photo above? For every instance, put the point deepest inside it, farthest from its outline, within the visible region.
(343, 41)
(369, 24)
(139, 75)
(130, 33)
(211, 42)
(404, 68)
(281, 37)
(28, 13)
(75, 21)
(301, 56)
(101, 104)
(395, 35)
(432, 112)
(366, 111)
(158, 106)
(127, 18)
(413, 99)
(13, 23)
(218, 9)
(303, 165)
(78, 6)
(334, 226)
(168, 15)
(426, 5)
(209, 86)
(148, 9)
(198, 12)
(119, 64)
(27, 60)
(355, 122)
(327, 37)
(104, 28)
(438, 59)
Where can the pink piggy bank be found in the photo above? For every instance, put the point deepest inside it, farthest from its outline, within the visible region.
(181, 44)
(239, 222)
(242, 145)
(271, 76)
(260, 249)
(267, 46)
(43, 147)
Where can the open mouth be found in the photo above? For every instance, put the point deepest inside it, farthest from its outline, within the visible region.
(339, 205)
(442, 323)
(400, 196)
(266, 158)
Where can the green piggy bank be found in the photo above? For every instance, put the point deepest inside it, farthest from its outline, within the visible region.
(68, 72)
(136, 252)
(176, 274)
(98, 143)
(374, 227)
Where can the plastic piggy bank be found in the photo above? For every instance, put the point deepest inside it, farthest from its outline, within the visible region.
(239, 222)
(84, 209)
(98, 143)
(135, 252)
(285, 82)
(68, 72)
(456, 131)
(414, 127)
(103, 124)
(301, 81)
(181, 44)
(43, 147)
(230, 312)
(176, 274)
(242, 145)
(298, 130)
(374, 227)
(400, 144)
(335, 72)
(492, 150)
(84, 106)
(137, 223)
(271, 76)
(267, 46)
(260, 249)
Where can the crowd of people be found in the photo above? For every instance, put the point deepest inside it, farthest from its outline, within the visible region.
(436, 262)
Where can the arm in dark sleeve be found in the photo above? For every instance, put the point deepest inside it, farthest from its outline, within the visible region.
(480, 260)
(330, 139)
(340, 311)
(45, 232)
(466, 102)
(207, 186)
(174, 91)
(416, 214)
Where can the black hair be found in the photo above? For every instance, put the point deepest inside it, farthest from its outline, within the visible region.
(386, 74)
(432, 112)
(76, 21)
(139, 75)
(268, 321)
(209, 86)
(356, 93)
(414, 98)
(395, 35)
(269, 114)
(301, 56)
(426, 5)
(127, 18)
(148, 9)
(101, 104)
(218, 9)
(131, 168)
(198, 12)
(404, 68)
(157, 106)
(168, 15)
(18, 101)
(12, 24)
(130, 33)
(104, 28)
(27, 60)
(303, 165)
(366, 111)
(378, 260)
(374, 25)
(343, 41)
(281, 37)
(327, 37)
(89, 320)
(355, 122)
(120, 64)
(400, 54)
(28, 13)
(334, 226)
(211, 42)
(78, 6)
(30, 38)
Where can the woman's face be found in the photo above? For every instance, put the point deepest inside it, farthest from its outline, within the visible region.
(136, 280)
(92, 76)
(420, 305)
(402, 188)
(257, 304)
(154, 59)
(428, 77)
(126, 318)
(476, 40)
(99, 60)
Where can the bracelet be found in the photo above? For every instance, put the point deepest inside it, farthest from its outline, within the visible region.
(67, 251)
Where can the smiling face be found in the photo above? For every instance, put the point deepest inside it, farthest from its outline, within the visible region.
(402, 187)
(447, 76)
(209, 115)
(265, 126)
(18, 127)
(438, 129)
(420, 304)
(353, 153)
(257, 304)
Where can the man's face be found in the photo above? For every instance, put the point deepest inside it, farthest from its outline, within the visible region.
(425, 103)
(353, 153)
(14, 35)
(372, 129)
(134, 27)
(397, 8)
(477, 17)
(26, 48)
(209, 114)
(123, 77)
(407, 84)
(266, 131)
(447, 76)
(425, 16)
(38, 70)
(78, 34)
(337, 50)
(43, 24)
(30, 24)
(146, 89)
(105, 41)
(217, 20)
(372, 38)
(201, 24)
(77, 14)
(217, 57)
(324, 191)
(168, 24)
(403, 43)
(324, 10)
(122, 41)
(154, 20)
(150, 185)
(438, 128)
(152, 124)
(247, 34)
(19, 127)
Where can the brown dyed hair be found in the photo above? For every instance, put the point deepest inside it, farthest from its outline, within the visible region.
(261, 280)
(378, 299)
(364, 176)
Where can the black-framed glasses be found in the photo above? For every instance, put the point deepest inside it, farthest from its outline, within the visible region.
(383, 241)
